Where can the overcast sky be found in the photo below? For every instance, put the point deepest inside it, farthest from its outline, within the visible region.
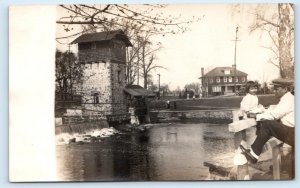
(210, 44)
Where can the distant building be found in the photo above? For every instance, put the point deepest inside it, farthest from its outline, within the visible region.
(103, 57)
(222, 81)
(137, 98)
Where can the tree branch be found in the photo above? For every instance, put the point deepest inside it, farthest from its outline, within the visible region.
(270, 48)
(270, 61)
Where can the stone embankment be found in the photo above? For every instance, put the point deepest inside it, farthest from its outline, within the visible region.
(205, 110)
(201, 116)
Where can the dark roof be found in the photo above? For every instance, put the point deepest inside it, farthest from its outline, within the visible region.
(103, 36)
(138, 91)
(220, 71)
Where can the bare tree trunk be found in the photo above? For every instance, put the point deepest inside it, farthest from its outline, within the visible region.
(285, 41)
(144, 67)
(145, 81)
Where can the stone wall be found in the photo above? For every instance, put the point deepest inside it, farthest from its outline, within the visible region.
(96, 78)
(117, 85)
(97, 109)
(203, 116)
(211, 103)
(107, 79)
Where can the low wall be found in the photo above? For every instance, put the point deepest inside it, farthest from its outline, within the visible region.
(203, 116)
(80, 124)
(212, 103)
(81, 127)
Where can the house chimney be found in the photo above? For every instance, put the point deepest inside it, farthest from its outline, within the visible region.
(234, 66)
(202, 71)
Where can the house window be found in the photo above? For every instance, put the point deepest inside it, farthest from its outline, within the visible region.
(218, 80)
(216, 88)
(225, 79)
(211, 80)
(229, 79)
(226, 72)
(243, 79)
(236, 79)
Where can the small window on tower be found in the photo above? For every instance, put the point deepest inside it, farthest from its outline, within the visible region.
(119, 75)
(96, 98)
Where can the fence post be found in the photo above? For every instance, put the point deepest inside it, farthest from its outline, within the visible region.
(276, 162)
(242, 170)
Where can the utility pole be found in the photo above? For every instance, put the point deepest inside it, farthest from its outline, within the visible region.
(138, 62)
(234, 65)
(158, 86)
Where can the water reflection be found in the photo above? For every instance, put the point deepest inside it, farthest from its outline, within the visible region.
(164, 152)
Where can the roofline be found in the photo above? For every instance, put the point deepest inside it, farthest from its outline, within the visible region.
(205, 75)
(117, 32)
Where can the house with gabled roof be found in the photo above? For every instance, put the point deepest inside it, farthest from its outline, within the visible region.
(222, 81)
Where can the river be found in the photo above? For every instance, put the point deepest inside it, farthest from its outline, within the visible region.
(163, 152)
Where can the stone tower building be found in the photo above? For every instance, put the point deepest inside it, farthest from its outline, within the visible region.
(102, 56)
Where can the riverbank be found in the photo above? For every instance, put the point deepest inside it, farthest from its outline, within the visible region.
(205, 110)
(211, 103)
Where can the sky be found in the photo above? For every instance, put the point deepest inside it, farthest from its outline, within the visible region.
(208, 44)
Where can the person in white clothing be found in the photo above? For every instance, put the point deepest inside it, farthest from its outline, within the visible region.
(278, 121)
(249, 103)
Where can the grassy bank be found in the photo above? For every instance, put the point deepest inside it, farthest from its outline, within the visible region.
(210, 103)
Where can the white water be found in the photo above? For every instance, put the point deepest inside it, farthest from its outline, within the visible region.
(63, 138)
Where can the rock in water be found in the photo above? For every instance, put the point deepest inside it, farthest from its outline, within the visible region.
(72, 140)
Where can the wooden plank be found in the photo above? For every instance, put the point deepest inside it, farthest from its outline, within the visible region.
(273, 142)
(276, 162)
(223, 166)
(240, 125)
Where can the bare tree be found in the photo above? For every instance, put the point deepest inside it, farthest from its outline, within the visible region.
(141, 55)
(149, 18)
(138, 23)
(147, 58)
(151, 85)
(277, 20)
